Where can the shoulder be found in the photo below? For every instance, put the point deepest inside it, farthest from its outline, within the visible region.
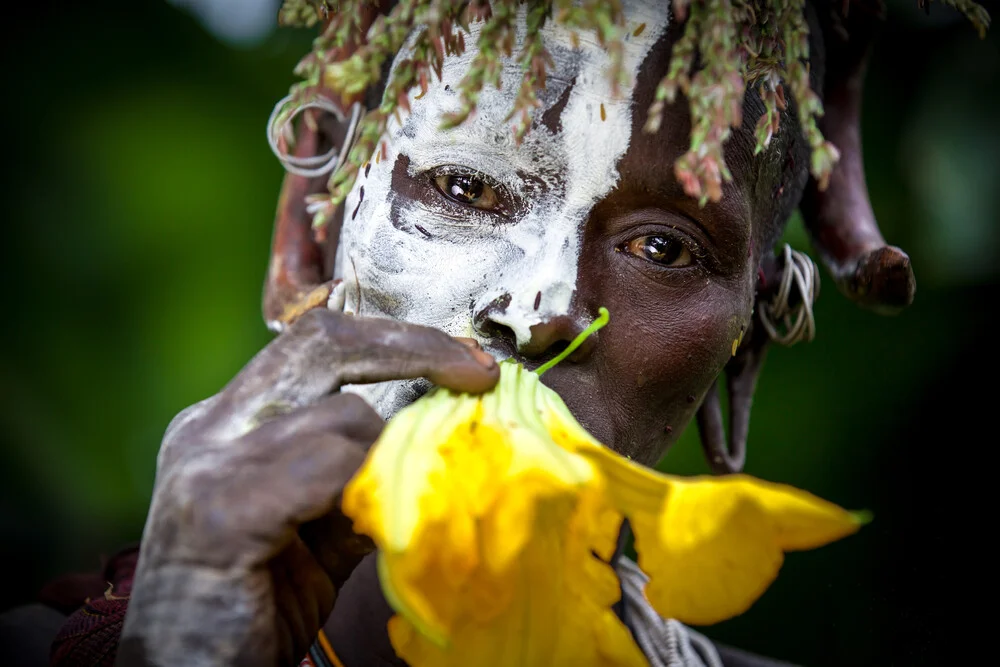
(77, 619)
(26, 635)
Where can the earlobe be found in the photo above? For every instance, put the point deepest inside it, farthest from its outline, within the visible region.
(783, 313)
(727, 454)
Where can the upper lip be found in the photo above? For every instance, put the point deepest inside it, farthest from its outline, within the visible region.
(499, 348)
(502, 350)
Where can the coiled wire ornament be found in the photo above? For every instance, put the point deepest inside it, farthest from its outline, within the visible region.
(797, 320)
(665, 642)
(279, 127)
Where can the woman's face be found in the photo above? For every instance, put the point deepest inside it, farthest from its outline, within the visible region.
(518, 246)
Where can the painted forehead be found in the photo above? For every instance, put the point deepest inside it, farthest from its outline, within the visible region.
(579, 114)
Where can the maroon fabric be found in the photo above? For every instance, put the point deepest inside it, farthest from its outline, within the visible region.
(69, 592)
(90, 635)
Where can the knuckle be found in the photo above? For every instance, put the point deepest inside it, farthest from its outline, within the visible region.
(187, 421)
(315, 322)
(177, 515)
(203, 506)
(171, 451)
(193, 488)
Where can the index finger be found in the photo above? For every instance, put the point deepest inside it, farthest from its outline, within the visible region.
(324, 350)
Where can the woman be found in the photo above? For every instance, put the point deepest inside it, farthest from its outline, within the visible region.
(512, 247)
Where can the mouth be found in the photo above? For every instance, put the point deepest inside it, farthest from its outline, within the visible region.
(502, 350)
(414, 389)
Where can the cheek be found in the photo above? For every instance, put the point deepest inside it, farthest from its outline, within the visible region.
(676, 353)
(665, 345)
(397, 265)
(372, 261)
(667, 366)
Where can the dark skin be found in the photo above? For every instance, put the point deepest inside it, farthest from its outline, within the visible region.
(678, 280)
(245, 547)
(245, 551)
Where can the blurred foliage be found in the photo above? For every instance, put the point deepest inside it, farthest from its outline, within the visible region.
(137, 210)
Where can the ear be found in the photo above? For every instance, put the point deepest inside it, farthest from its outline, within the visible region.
(728, 454)
(300, 265)
(296, 268)
(840, 219)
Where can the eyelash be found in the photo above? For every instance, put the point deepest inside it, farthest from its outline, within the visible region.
(699, 257)
(503, 197)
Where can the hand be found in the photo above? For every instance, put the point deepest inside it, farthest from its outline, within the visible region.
(245, 547)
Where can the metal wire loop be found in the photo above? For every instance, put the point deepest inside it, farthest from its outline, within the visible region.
(788, 324)
(279, 126)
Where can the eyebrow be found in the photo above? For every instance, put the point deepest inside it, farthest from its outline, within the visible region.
(733, 207)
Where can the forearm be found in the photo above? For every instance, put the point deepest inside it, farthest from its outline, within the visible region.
(188, 615)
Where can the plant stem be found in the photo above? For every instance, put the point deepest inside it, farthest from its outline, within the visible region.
(602, 319)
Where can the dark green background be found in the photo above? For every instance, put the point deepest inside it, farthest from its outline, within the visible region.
(137, 207)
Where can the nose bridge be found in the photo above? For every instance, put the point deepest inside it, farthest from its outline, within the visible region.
(537, 287)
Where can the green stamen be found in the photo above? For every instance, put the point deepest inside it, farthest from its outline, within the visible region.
(602, 319)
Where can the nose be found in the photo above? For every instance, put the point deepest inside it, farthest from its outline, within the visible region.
(544, 339)
(551, 336)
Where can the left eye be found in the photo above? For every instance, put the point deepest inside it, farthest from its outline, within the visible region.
(660, 249)
(468, 190)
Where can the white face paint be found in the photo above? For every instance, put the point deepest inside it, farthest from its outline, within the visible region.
(434, 262)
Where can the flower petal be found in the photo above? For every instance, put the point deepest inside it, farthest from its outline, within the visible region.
(556, 608)
(709, 554)
(495, 517)
(487, 532)
(718, 543)
(803, 521)
(712, 545)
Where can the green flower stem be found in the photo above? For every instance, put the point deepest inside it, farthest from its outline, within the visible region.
(602, 319)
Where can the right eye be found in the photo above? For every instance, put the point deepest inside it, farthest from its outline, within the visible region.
(469, 190)
(660, 249)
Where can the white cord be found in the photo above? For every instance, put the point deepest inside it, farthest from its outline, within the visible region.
(798, 322)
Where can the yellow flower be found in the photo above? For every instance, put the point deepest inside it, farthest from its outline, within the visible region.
(496, 515)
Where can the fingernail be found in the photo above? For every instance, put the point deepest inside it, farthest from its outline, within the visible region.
(485, 358)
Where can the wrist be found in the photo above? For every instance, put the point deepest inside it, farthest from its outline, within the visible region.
(193, 615)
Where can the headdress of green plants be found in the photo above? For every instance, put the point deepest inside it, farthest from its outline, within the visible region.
(726, 46)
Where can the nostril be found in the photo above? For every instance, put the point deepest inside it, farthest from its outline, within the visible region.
(544, 341)
(490, 329)
(551, 337)
(483, 319)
